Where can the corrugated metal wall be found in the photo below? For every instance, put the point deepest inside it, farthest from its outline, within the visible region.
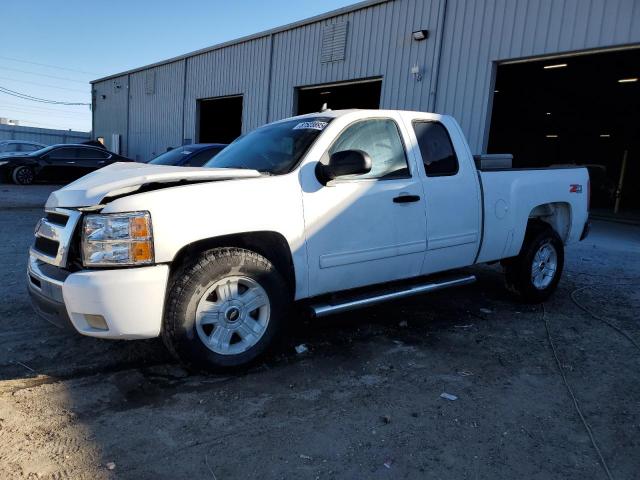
(479, 33)
(457, 64)
(42, 135)
(155, 110)
(379, 44)
(241, 69)
(110, 110)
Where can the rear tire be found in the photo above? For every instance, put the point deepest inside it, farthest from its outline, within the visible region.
(534, 274)
(23, 175)
(224, 310)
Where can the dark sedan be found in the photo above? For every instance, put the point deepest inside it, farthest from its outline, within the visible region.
(57, 163)
(194, 155)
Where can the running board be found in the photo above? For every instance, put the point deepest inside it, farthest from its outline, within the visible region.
(323, 309)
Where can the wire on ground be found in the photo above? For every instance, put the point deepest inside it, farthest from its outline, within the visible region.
(573, 397)
(600, 318)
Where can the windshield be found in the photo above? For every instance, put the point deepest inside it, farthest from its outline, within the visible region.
(172, 157)
(41, 151)
(276, 148)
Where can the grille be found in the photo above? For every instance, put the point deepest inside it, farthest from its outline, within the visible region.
(54, 236)
(46, 246)
(57, 219)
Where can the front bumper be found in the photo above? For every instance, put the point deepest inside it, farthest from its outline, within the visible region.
(120, 303)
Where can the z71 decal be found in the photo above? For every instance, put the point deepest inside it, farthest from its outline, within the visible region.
(575, 188)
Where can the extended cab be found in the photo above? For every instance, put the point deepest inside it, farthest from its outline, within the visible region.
(337, 209)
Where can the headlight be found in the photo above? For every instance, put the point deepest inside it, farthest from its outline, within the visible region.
(117, 239)
(3, 162)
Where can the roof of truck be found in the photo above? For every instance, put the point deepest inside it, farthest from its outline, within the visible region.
(339, 113)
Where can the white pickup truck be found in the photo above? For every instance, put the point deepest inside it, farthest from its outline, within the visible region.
(337, 209)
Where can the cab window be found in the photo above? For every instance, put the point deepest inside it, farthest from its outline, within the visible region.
(380, 139)
(438, 155)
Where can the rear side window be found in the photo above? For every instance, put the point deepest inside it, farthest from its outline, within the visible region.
(92, 153)
(438, 154)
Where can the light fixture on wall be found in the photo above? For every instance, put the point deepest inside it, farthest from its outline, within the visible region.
(555, 65)
(416, 72)
(419, 35)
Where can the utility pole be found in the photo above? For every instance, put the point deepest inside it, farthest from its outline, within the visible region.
(621, 182)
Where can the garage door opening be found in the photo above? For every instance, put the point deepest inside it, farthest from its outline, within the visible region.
(578, 110)
(219, 119)
(337, 96)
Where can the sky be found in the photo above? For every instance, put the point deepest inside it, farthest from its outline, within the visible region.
(51, 49)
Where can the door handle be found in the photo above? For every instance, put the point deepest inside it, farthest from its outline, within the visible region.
(406, 199)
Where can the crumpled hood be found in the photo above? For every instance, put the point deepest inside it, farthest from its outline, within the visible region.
(124, 177)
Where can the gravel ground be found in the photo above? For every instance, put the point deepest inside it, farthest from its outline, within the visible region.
(364, 401)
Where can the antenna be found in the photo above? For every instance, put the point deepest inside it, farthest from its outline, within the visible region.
(324, 107)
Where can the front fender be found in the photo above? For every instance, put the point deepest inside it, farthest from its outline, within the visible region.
(186, 214)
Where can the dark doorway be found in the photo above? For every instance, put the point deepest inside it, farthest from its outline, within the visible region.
(337, 96)
(577, 110)
(219, 119)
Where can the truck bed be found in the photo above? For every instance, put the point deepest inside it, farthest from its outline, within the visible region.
(512, 195)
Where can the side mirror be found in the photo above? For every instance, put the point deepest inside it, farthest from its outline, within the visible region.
(347, 162)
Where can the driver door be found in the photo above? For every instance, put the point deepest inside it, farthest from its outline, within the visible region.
(370, 228)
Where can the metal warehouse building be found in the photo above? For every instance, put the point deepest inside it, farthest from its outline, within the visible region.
(553, 81)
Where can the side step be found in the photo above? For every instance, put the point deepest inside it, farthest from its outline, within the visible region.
(323, 309)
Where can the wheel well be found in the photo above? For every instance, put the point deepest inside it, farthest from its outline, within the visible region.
(556, 214)
(271, 245)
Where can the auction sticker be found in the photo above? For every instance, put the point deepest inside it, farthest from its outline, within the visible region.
(311, 126)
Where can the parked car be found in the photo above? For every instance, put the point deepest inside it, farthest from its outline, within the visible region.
(12, 147)
(195, 155)
(57, 163)
(334, 210)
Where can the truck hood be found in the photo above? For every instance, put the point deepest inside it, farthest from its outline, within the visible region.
(122, 178)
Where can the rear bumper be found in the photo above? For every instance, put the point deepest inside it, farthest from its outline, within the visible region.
(585, 230)
(123, 304)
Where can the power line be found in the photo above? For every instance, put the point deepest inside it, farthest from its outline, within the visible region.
(53, 108)
(24, 96)
(44, 75)
(43, 85)
(49, 66)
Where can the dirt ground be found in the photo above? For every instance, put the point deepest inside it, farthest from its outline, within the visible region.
(363, 403)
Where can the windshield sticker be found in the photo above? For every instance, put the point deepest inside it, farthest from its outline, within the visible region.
(311, 126)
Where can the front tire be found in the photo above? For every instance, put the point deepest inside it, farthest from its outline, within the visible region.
(23, 175)
(534, 274)
(225, 309)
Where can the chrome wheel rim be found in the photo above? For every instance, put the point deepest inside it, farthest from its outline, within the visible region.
(545, 264)
(232, 315)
